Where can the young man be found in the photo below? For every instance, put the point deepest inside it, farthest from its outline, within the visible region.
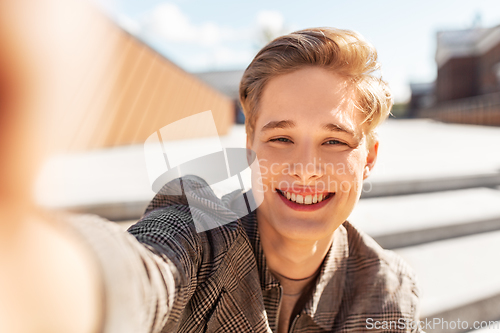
(293, 265)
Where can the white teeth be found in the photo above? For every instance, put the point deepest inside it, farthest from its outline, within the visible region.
(308, 200)
(300, 199)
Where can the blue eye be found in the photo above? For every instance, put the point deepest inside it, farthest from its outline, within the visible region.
(280, 140)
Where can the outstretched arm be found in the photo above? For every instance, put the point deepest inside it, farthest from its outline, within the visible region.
(49, 281)
(84, 274)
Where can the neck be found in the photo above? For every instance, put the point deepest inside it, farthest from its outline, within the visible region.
(291, 258)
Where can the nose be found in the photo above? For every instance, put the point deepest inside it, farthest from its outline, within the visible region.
(305, 165)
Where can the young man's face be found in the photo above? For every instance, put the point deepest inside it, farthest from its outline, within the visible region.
(310, 145)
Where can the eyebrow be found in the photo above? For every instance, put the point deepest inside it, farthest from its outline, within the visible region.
(278, 124)
(337, 128)
(284, 124)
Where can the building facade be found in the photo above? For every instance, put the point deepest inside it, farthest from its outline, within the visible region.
(467, 87)
(127, 90)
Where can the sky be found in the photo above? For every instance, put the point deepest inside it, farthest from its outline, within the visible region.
(221, 34)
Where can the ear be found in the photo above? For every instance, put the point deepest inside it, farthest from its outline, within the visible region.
(371, 158)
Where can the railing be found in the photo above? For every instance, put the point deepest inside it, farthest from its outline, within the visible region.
(479, 110)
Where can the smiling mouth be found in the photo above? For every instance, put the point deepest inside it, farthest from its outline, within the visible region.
(305, 200)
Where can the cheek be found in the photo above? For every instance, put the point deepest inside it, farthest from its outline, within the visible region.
(259, 185)
(266, 169)
(356, 163)
(346, 175)
(263, 174)
(344, 165)
(270, 164)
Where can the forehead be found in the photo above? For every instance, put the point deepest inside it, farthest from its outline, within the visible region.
(310, 96)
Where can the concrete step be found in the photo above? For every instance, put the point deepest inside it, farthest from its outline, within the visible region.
(418, 156)
(407, 220)
(381, 188)
(459, 279)
(396, 222)
(131, 204)
(415, 156)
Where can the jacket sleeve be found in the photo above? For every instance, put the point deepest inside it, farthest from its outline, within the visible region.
(146, 279)
(151, 272)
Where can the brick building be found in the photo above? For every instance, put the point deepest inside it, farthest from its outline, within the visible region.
(467, 87)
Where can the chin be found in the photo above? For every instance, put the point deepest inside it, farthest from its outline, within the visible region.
(305, 233)
(299, 228)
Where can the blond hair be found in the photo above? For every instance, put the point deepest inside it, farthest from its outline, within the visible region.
(343, 51)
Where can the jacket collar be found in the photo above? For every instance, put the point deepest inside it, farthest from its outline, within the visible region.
(324, 303)
(327, 294)
(267, 280)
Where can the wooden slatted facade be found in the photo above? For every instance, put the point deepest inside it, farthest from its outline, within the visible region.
(128, 91)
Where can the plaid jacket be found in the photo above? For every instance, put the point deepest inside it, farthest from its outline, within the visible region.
(179, 280)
